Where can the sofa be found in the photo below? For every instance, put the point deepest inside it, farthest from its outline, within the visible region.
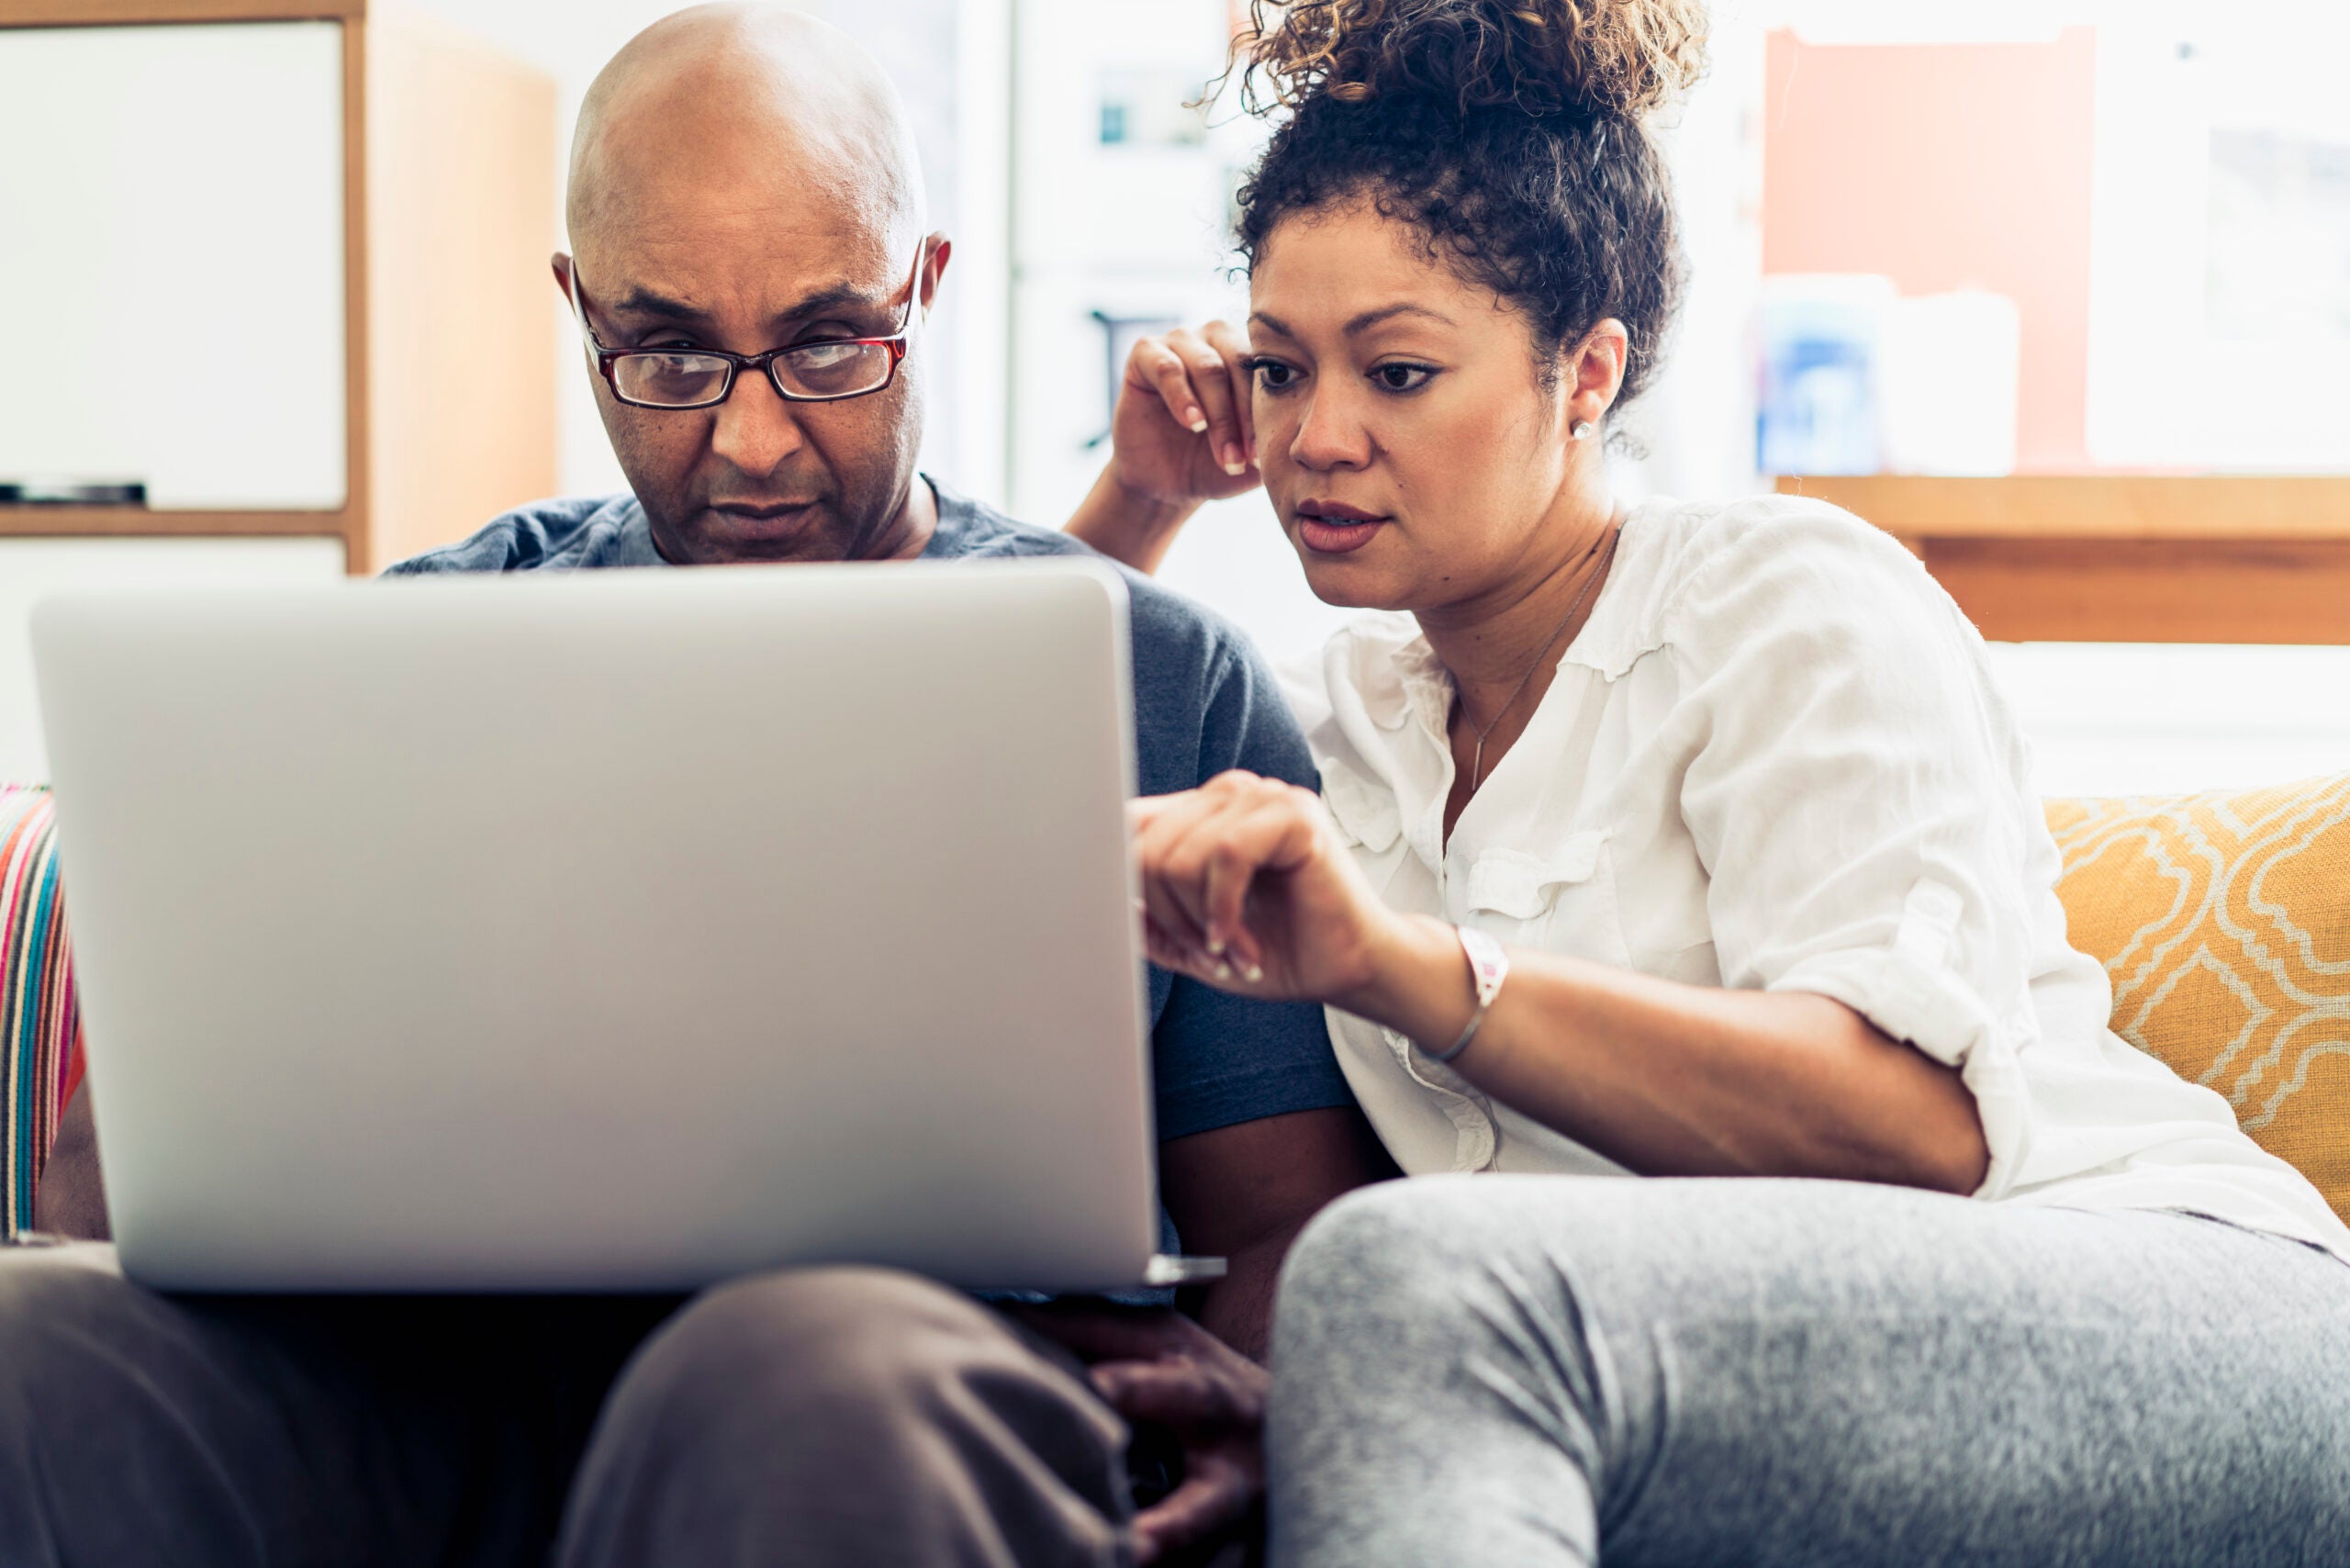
(2223, 919)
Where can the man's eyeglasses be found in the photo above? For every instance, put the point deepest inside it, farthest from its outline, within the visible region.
(824, 371)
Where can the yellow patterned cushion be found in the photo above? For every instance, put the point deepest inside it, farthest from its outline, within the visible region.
(2224, 921)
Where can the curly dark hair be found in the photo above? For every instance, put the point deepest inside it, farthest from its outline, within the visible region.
(1511, 133)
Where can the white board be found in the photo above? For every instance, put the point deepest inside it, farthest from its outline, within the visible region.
(170, 239)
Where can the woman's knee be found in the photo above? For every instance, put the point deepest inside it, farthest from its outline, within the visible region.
(1388, 1237)
(1387, 1257)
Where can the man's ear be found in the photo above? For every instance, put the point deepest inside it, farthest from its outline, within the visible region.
(559, 264)
(1594, 372)
(942, 250)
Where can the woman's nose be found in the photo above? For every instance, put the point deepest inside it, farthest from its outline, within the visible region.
(1331, 435)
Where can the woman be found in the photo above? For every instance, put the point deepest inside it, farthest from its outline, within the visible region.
(1683, 842)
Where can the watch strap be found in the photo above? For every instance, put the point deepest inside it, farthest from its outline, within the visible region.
(1488, 967)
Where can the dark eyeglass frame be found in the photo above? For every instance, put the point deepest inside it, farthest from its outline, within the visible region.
(896, 343)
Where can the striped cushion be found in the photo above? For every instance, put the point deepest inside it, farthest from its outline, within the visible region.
(2224, 921)
(40, 1026)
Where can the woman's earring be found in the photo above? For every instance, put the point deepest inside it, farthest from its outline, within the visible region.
(1582, 430)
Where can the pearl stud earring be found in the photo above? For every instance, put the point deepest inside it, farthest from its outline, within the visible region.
(1582, 430)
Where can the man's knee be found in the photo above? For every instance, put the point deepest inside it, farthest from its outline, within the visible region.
(67, 1332)
(852, 1352)
(58, 1309)
(840, 1414)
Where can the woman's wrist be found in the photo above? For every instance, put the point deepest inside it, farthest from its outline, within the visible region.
(1126, 525)
(1417, 982)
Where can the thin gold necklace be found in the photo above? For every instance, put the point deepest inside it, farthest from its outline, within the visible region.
(1477, 763)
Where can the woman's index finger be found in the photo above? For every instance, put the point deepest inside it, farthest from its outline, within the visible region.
(1228, 341)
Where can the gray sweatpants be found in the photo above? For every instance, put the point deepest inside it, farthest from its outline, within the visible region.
(824, 1415)
(1553, 1371)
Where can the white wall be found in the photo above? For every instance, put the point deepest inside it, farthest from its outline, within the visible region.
(1131, 229)
(1137, 229)
(921, 42)
(2117, 719)
(35, 570)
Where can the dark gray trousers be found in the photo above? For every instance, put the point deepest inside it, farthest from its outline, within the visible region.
(820, 1416)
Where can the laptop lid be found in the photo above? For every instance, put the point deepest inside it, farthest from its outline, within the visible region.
(609, 931)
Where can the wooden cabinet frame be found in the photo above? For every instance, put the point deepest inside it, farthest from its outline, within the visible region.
(362, 534)
(2136, 558)
(349, 523)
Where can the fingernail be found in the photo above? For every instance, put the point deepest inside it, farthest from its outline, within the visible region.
(1232, 463)
(1252, 974)
(1198, 422)
(1215, 946)
(1223, 971)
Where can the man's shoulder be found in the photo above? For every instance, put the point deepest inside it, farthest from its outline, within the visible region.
(568, 533)
(1171, 631)
(1204, 700)
(970, 530)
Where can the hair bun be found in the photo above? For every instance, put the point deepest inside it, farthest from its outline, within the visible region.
(1618, 58)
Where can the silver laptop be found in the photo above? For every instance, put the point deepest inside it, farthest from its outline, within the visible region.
(610, 931)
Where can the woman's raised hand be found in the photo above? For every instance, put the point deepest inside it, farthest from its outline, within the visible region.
(1182, 431)
(1247, 885)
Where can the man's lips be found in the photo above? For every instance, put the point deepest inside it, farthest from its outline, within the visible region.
(763, 522)
(760, 512)
(1333, 528)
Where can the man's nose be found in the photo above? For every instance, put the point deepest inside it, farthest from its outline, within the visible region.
(757, 428)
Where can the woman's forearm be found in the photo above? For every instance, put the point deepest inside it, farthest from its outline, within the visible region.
(1129, 528)
(1679, 1080)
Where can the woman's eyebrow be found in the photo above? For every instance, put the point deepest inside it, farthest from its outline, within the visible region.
(1359, 324)
(1370, 319)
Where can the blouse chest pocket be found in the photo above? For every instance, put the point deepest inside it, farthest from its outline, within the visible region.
(1366, 813)
(1562, 902)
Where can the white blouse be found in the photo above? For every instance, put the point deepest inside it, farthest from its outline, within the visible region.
(1774, 759)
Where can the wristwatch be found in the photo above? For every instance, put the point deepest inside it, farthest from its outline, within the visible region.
(1488, 967)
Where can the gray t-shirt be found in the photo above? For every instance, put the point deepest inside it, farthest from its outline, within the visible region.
(1203, 702)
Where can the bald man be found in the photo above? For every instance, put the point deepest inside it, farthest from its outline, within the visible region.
(752, 277)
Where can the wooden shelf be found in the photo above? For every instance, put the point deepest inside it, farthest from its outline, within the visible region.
(149, 13)
(2133, 558)
(136, 522)
(2092, 505)
(2141, 590)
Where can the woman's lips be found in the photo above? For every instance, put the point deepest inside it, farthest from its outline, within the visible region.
(1332, 537)
(1329, 527)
